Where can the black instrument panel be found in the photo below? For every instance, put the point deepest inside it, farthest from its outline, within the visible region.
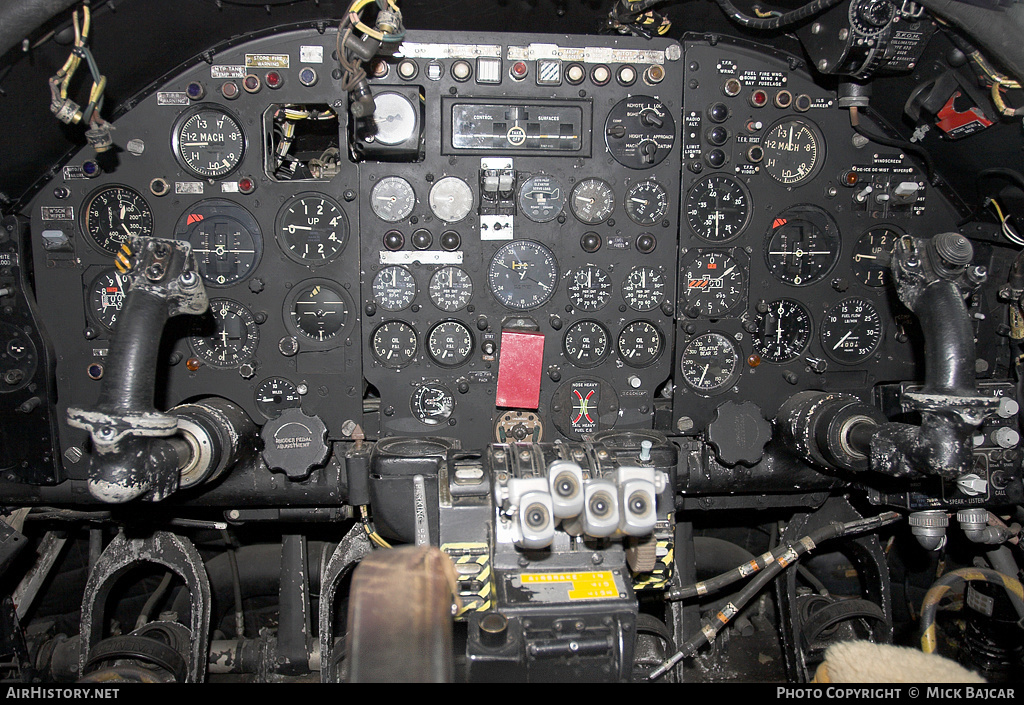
(679, 224)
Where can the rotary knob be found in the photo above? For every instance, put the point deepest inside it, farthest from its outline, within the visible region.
(738, 433)
(294, 443)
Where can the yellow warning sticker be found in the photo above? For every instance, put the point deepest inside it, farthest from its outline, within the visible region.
(581, 586)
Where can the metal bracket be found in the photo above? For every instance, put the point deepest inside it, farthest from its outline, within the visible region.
(352, 549)
(169, 550)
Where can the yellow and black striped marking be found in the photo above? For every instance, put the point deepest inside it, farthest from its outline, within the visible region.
(473, 571)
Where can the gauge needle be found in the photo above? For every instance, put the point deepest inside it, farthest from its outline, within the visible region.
(195, 144)
(638, 200)
(704, 374)
(842, 340)
(292, 228)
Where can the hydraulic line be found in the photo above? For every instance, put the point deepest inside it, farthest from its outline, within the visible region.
(782, 557)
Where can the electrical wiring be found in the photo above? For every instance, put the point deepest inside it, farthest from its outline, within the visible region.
(920, 152)
(1004, 221)
(371, 533)
(957, 579)
(775, 20)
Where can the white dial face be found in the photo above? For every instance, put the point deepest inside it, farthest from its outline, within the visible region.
(451, 199)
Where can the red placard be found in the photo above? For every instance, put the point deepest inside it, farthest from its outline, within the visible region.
(520, 366)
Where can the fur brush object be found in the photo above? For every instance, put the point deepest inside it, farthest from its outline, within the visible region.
(864, 662)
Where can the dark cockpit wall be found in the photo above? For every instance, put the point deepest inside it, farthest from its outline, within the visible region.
(553, 347)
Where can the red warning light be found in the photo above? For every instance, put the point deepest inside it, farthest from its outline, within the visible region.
(193, 218)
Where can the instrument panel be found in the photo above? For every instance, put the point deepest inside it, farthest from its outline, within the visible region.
(531, 240)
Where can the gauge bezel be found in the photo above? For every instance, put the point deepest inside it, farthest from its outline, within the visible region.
(820, 151)
(561, 201)
(91, 314)
(664, 201)
(887, 278)
(87, 205)
(252, 341)
(460, 183)
(412, 279)
(529, 244)
(419, 390)
(574, 299)
(392, 178)
(737, 255)
(305, 341)
(260, 406)
(430, 288)
(607, 344)
(221, 207)
(281, 239)
(825, 325)
(733, 375)
(386, 363)
(610, 199)
(657, 355)
(755, 337)
(701, 183)
(187, 115)
(631, 301)
(430, 353)
(830, 232)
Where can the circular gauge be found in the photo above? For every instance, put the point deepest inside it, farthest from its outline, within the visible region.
(585, 343)
(710, 363)
(318, 310)
(714, 283)
(449, 343)
(783, 331)
(794, 151)
(640, 343)
(450, 288)
(590, 287)
(592, 201)
(872, 255)
(646, 202)
(208, 141)
(226, 336)
(718, 207)
(523, 274)
(851, 331)
(541, 198)
(644, 288)
(432, 404)
(225, 238)
(106, 297)
(276, 394)
(394, 343)
(113, 213)
(311, 229)
(392, 199)
(803, 245)
(451, 199)
(394, 288)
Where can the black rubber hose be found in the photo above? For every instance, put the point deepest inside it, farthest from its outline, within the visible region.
(129, 380)
(948, 340)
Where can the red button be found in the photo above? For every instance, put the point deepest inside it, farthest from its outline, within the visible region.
(519, 70)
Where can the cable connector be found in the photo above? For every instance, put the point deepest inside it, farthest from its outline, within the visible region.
(99, 137)
(67, 111)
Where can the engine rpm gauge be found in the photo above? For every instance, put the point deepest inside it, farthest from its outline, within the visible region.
(106, 297)
(392, 199)
(640, 343)
(718, 207)
(311, 229)
(644, 288)
(114, 213)
(713, 283)
(226, 336)
(592, 201)
(710, 363)
(589, 287)
(394, 288)
(783, 331)
(451, 199)
(794, 151)
(225, 238)
(851, 331)
(803, 245)
(450, 288)
(872, 255)
(523, 274)
(646, 202)
(208, 141)
(541, 198)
